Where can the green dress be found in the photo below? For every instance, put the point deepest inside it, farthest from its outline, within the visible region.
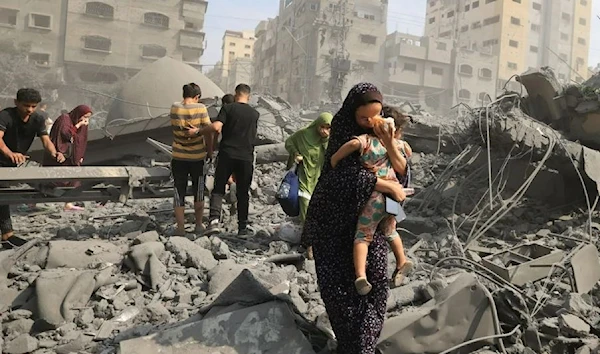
(309, 144)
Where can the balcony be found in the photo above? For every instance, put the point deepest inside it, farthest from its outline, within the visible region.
(408, 51)
(194, 9)
(191, 39)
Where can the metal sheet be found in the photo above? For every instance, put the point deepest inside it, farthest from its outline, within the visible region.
(586, 269)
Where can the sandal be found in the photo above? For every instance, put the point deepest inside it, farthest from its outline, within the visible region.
(401, 272)
(363, 287)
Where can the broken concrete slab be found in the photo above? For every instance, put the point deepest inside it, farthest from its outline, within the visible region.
(76, 254)
(458, 313)
(523, 264)
(586, 269)
(542, 88)
(23, 344)
(146, 260)
(150, 236)
(571, 325)
(190, 254)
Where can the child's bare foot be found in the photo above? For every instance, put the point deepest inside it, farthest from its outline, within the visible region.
(401, 272)
(363, 287)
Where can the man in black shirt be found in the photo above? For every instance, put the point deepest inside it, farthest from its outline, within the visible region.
(237, 122)
(19, 126)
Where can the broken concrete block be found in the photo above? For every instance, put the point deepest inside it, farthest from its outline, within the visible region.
(242, 331)
(23, 344)
(458, 313)
(542, 88)
(576, 304)
(220, 249)
(586, 269)
(67, 233)
(290, 232)
(190, 254)
(146, 259)
(20, 313)
(587, 107)
(20, 326)
(550, 326)
(572, 325)
(418, 225)
(105, 331)
(150, 236)
(157, 313)
(222, 275)
(523, 264)
(74, 254)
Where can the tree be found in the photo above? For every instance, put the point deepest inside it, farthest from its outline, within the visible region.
(15, 69)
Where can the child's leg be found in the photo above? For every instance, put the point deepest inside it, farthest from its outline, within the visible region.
(403, 266)
(365, 229)
(361, 250)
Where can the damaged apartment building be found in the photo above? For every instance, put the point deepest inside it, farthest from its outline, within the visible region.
(509, 38)
(96, 44)
(315, 50)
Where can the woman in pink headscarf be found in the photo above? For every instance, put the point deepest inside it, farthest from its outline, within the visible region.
(70, 134)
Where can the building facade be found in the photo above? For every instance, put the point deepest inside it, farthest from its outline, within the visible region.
(236, 45)
(316, 50)
(434, 73)
(524, 34)
(105, 41)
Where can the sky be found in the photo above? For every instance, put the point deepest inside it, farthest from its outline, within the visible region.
(403, 15)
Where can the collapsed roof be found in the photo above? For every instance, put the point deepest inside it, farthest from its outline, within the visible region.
(151, 92)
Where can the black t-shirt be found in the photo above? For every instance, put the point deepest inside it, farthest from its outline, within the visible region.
(239, 130)
(18, 135)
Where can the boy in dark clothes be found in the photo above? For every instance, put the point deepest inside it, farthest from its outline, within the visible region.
(19, 126)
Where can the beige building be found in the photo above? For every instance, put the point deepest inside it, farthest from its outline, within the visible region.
(323, 47)
(432, 72)
(523, 34)
(265, 56)
(102, 41)
(236, 45)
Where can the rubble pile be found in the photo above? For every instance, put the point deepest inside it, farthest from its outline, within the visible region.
(503, 230)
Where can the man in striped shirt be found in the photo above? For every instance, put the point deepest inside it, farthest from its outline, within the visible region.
(190, 149)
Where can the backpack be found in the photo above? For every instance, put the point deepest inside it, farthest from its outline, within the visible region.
(287, 193)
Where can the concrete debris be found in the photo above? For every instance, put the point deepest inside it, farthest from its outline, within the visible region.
(110, 278)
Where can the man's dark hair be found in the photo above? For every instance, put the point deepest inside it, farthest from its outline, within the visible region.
(191, 90)
(29, 95)
(228, 98)
(242, 89)
(401, 120)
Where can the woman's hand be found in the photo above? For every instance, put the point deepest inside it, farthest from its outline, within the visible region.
(393, 189)
(385, 135)
(299, 158)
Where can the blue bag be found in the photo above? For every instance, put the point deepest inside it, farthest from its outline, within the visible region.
(287, 194)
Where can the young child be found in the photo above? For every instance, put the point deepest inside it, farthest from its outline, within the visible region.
(373, 155)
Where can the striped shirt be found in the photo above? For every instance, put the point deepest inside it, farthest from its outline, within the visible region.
(183, 116)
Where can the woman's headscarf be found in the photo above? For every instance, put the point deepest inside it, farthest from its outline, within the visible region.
(309, 143)
(68, 139)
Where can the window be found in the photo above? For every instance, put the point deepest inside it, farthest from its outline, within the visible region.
(450, 14)
(232, 54)
(441, 46)
(156, 19)
(489, 1)
(581, 41)
(475, 5)
(246, 55)
(231, 44)
(583, 21)
(314, 7)
(8, 17)
(513, 43)
(533, 49)
(535, 27)
(431, 20)
(410, 67)
(515, 21)
(537, 6)
(368, 39)
(518, 1)
(437, 71)
(476, 25)
(95, 76)
(485, 73)
(97, 43)
(566, 17)
(153, 51)
(445, 34)
(247, 46)
(431, 3)
(512, 65)
(40, 59)
(464, 94)
(467, 7)
(491, 20)
(490, 42)
(583, 2)
(99, 9)
(464, 28)
(564, 36)
(40, 21)
(466, 69)
(483, 97)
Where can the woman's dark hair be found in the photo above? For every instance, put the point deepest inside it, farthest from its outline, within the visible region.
(228, 98)
(29, 95)
(400, 119)
(191, 90)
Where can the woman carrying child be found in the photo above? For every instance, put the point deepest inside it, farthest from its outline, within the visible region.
(386, 157)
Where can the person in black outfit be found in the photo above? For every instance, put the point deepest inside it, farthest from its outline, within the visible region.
(237, 123)
(19, 126)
